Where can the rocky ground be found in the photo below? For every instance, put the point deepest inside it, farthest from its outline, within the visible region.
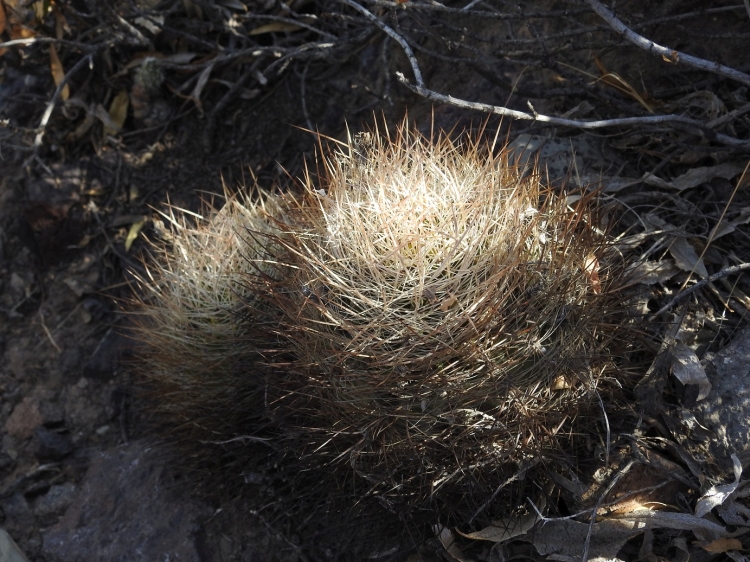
(81, 478)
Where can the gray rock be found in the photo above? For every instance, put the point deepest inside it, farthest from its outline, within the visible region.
(726, 410)
(51, 446)
(9, 551)
(19, 522)
(123, 514)
(54, 503)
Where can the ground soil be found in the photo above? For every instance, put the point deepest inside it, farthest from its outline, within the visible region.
(67, 407)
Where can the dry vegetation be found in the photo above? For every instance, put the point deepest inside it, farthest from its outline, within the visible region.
(309, 308)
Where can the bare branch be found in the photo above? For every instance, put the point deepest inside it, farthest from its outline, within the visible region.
(559, 121)
(668, 54)
(55, 97)
(702, 283)
(395, 36)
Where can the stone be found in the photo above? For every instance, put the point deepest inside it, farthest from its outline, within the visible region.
(726, 409)
(24, 418)
(9, 551)
(50, 445)
(123, 512)
(52, 505)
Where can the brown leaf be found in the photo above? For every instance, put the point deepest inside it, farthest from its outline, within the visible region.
(135, 228)
(591, 267)
(721, 545)
(118, 112)
(58, 74)
(447, 303)
(504, 529)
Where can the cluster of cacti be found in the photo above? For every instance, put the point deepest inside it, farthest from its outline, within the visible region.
(411, 318)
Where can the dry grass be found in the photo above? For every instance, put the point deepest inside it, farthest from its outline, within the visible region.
(414, 320)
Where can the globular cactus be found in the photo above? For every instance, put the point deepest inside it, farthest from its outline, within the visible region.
(415, 317)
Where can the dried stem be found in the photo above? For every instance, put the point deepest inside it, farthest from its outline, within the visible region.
(669, 55)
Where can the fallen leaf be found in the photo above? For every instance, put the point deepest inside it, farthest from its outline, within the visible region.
(195, 95)
(687, 368)
(452, 552)
(118, 112)
(686, 258)
(58, 74)
(448, 303)
(563, 539)
(135, 228)
(727, 227)
(717, 495)
(19, 31)
(671, 520)
(721, 545)
(103, 116)
(275, 27)
(591, 267)
(504, 529)
(696, 176)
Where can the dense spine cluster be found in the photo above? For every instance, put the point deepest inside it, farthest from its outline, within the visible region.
(414, 316)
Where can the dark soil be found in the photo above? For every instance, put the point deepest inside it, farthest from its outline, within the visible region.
(80, 476)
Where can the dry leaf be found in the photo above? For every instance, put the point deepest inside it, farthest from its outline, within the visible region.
(504, 529)
(716, 495)
(61, 23)
(616, 81)
(563, 539)
(448, 303)
(103, 116)
(452, 552)
(671, 520)
(135, 228)
(721, 545)
(649, 273)
(697, 176)
(195, 95)
(591, 267)
(686, 258)
(58, 74)
(276, 27)
(688, 369)
(560, 383)
(727, 227)
(118, 112)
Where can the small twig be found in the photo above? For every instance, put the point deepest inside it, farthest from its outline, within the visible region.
(606, 492)
(44, 40)
(606, 423)
(669, 55)
(224, 101)
(729, 116)
(55, 98)
(702, 283)
(517, 476)
(400, 40)
(49, 334)
(747, 7)
(550, 120)
(303, 99)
